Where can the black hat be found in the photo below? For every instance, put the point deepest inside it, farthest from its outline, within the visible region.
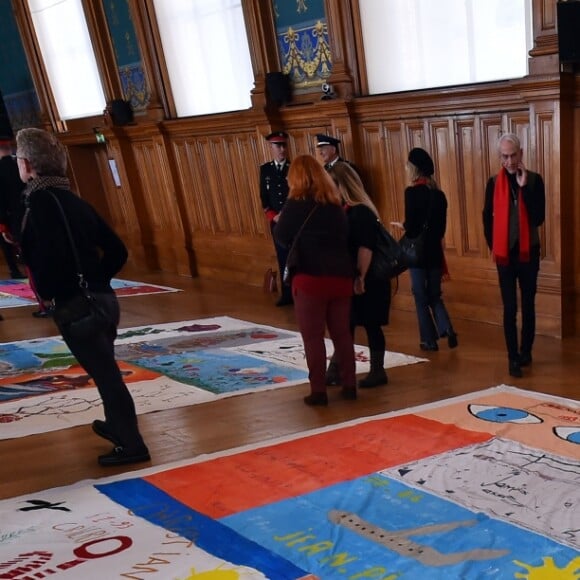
(277, 137)
(326, 140)
(422, 161)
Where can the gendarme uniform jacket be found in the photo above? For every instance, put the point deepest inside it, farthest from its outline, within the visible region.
(273, 187)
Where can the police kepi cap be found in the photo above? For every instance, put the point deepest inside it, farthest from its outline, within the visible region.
(326, 140)
(277, 137)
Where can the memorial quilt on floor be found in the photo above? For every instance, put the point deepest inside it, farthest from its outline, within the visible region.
(171, 365)
(18, 292)
(485, 486)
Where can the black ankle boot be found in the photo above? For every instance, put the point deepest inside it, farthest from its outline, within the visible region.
(377, 375)
(332, 377)
(316, 400)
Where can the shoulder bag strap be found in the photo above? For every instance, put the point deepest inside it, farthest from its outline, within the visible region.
(82, 281)
(301, 229)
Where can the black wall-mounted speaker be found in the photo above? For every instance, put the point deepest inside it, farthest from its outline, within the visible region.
(278, 88)
(121, 112)
(568, 14)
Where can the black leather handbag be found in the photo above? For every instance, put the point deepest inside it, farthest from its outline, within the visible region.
(412, 249)
(388, 259)
(81, 317)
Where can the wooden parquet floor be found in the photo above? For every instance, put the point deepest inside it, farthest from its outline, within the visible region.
(32, 463)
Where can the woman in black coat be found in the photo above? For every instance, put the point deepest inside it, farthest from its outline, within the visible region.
(426, 209)
(372, 297)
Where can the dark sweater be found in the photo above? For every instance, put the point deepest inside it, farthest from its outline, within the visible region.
(47, 251)
(11, 203)
(322, 246)
(534, 196)
(426, 205)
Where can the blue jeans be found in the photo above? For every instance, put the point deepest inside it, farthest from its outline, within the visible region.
(432, 315)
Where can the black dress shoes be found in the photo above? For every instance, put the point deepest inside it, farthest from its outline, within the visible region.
(284, 301)
(428, 346)
(316, 400)
(452, 339)
(46, 313)
(123, 456)
(515, 369)
(102, 430)
(525, 359)
(348, 393)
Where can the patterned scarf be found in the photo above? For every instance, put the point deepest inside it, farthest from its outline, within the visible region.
(501, 218)
(41, 182)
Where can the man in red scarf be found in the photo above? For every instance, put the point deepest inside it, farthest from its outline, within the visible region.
(515, 207)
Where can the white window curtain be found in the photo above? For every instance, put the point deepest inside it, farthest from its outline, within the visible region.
(417, 44)
(207, 55)
(68, 56)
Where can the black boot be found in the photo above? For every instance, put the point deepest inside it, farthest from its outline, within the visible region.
(332, 377)
(377, 376)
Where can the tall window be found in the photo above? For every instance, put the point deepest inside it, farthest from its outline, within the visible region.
(68, 56)
(207, 55)
(416, 44)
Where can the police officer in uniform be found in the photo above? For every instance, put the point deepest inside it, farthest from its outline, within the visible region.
(273, 194)
(328, 151)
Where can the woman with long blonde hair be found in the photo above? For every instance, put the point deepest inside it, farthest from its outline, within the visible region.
(313, 225)
(372, 300)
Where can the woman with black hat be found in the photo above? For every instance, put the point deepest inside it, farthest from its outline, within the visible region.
(426, 209)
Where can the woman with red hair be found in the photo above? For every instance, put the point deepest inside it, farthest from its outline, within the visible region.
(313, 225)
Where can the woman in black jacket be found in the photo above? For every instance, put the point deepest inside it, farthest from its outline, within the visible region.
(48, 253)
(313, 225)
(372, 297)
(426, 210)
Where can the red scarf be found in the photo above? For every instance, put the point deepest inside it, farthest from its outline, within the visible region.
(501, 217)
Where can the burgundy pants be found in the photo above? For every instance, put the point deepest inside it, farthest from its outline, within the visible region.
(314, 314)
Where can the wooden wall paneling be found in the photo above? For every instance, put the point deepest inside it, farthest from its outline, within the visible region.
(376, 167)
(571, 193)
(544, 54)
(444, 157)
(163, 237)
(86, 164)
(469, 186)
(129, 215)
(219, 178)
(548, 164)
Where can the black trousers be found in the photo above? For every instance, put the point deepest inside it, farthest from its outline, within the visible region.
(9, 251)
(96, 355)
(524, 275)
